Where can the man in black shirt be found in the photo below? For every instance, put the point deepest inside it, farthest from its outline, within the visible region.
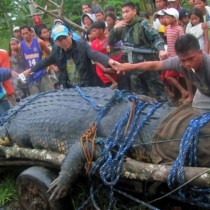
(65, 50)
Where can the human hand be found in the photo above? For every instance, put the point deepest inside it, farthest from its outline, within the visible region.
(54, 68)
(27, 72)
(14, 73)
(120, 24)
(163, 55)
(112, 62)
(122, 67)
(204, 26)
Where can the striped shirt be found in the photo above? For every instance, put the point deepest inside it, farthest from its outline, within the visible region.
(172, 34)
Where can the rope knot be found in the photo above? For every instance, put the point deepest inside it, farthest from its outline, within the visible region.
(88, 137)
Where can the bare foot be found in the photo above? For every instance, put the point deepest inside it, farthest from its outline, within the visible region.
(187, 100)
(114, 86)
(185, 95)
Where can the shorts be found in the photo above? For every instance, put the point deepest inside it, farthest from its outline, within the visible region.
(171, 74)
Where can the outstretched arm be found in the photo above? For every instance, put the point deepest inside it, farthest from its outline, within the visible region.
(145, 66)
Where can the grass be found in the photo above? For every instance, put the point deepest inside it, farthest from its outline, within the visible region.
(8, 191)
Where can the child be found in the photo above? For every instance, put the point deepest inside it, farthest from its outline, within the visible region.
(52, 70)
(100, 44)
(174, 31)
(198, 28)
(183, 18)
(21, 89)
(160, 15)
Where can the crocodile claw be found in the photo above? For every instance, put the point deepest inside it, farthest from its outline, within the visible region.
(58, 188)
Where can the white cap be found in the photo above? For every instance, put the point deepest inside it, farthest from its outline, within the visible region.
(16, 28)
(160, 13)
(172, 12)
(58, 20)
(171, 0)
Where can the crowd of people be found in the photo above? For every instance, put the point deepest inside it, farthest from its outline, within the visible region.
(43, 58)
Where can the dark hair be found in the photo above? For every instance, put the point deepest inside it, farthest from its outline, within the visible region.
(196, 12)
(98, 11)
(111, 15)
(109, 8)
(25, 26)
(86, 4)
(10, 50)
(86, 15)
(129, 4)
(39, 34)
(185, 43)
(98, 25)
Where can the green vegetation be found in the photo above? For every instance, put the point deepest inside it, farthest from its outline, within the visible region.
(8, 191)
(16, 13)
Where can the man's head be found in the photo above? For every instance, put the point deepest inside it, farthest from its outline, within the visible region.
(160, 4)
(98, 29)
(62, 36)
(200, 4)
(26, 33)
(99, 15)
(174, 4)
(86, 8)
(110, 19)
(188, 50)
(16, 32)
(129, 12)
(110, 9)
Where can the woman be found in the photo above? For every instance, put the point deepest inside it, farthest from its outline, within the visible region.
(205, 10)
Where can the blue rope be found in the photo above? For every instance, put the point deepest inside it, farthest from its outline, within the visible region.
(188, 156)
(110, 165)
(88, 99)
(117, 97)
(9, 114)
(187, 150)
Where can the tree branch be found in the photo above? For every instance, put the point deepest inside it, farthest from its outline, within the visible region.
(132, 169)
(59, 15)
(136, 170)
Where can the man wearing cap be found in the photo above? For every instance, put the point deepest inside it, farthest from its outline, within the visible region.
(17, 34)
(65, 50)
(159, 5)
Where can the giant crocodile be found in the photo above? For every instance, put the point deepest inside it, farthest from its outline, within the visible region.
(56, 120)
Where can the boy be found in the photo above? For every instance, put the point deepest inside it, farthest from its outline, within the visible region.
(100, 45)
(173, 32)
